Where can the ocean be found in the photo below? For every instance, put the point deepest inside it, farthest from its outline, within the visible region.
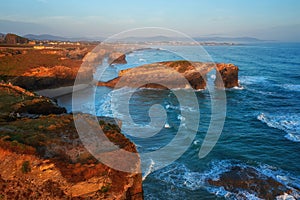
(261, 128)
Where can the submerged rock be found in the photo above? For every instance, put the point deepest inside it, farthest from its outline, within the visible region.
(174, 74)
(117, 58)
(239, 179)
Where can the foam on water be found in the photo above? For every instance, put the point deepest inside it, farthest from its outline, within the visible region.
(167, 125)
(240, 87)
(291, 87)
(288, 122)
(180, 108)
(248, 80)
(285, 197)
(148, 170)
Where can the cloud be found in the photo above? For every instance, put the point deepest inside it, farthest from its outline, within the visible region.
(8, 26)
(42, 1)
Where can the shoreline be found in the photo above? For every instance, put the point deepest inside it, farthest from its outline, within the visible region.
(62, 91)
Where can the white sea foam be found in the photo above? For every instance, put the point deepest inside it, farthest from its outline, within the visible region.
(248, 80)
(181, 118)
(290, 123)
(292, 137)
(262, 92)
(181, 108)
(149, 169)
(196, 142)
(291, 87)
(167, 125)
(285, 197)
(213, 76)
(238, 87)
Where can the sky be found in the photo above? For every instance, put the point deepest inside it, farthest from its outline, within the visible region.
(263, 19)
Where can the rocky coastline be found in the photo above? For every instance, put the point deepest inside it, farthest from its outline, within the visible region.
(41, 153)
(42, 156)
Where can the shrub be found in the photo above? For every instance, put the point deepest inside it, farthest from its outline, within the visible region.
(26, 167)
(105, 188)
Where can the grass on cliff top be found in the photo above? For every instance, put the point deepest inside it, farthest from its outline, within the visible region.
(16, 65)
(9, 97)
(181, 65)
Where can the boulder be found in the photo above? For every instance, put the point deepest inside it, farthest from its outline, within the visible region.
(250, 180)
(117, 58)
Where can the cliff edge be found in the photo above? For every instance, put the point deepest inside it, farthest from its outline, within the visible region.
(42, 156)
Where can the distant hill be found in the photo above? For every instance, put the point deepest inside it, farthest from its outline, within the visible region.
(144, 39)
(59, 38)
(158, 38)
(229, 39)
(45, 37)
(198, 39)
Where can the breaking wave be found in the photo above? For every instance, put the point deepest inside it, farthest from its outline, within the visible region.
(289, 123)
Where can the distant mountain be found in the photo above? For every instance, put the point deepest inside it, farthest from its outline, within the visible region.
(229, 39)
(145, 39)
(198, 39)
(45, 37)
(158, 38)
(59, 38)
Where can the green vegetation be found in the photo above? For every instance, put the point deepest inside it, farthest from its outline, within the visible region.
(105, 188)
(9, 97)
(26, 167)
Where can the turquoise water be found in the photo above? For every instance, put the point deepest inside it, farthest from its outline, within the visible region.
(261, 130)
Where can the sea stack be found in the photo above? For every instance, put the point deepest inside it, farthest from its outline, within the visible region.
(228, 75)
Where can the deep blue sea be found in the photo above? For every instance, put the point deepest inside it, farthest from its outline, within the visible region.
(261, 128)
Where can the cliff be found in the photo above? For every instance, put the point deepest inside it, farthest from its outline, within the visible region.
(42, 157)
(35, 69)
(42, 69)
(175, 74)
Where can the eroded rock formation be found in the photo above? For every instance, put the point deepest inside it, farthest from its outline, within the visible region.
(229, 75)
(175, 74)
